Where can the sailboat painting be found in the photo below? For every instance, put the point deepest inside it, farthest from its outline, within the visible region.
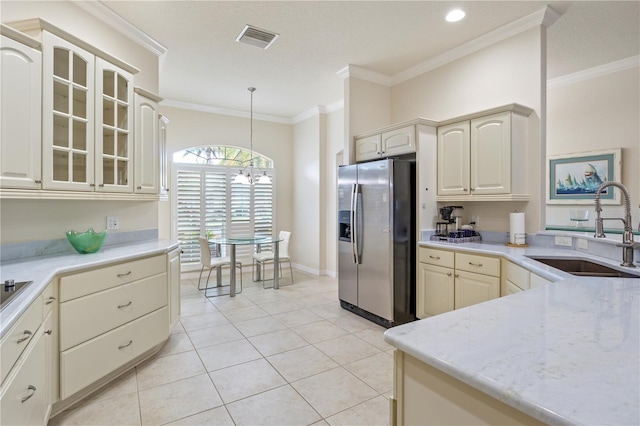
(574, 178)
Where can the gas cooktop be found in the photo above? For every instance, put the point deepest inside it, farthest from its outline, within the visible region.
(9, 290)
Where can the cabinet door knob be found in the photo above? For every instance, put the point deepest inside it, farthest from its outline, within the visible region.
(92, 185)
(448, 274)
(457, 275)
(464, 189)
(49, 332)
(32, 389)
(101, 185)
(27, 334)
(139, 187)
(37, 181)
(50, 300)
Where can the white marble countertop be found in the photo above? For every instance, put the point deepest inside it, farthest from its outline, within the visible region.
(41, 270)
(564, 353)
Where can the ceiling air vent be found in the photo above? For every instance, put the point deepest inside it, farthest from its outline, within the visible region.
(256, 37)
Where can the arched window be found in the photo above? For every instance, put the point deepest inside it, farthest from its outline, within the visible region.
(209, 202)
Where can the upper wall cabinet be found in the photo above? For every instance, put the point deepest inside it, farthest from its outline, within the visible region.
(87, 120)
(386, 144)
(147, 143)
(481, 158)
(20, 100)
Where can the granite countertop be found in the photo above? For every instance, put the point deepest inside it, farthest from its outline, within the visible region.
(41, 270)
(565, 353)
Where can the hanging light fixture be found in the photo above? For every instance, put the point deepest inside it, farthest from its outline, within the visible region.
(249, 177)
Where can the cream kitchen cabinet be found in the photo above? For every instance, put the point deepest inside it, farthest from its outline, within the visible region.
(481, 158)
(173, 272)
(514, 278)
(21, 88)
(146, 143)
(27, 365)
(127, 303)
(449, 280)
(87, 120)
(386, 144)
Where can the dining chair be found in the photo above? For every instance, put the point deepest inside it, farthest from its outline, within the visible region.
(211, 262)
(262, 258)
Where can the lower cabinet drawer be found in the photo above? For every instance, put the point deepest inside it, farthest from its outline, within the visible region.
(478, 264)
(110, 309)
(92, 360)
(19, 336)
(436, 257)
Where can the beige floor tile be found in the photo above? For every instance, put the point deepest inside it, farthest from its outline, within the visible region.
(257, 326)
(123, 410)
(177, 328)
(126, 384)
(198, 322)
(375, 337)
(243, 380)
(214, 335)
(197, 308)
(279, 306)
(228, 354)
(280, 406)
(176, 400)
(227, 303)
(319, 331)
(320, 423)
(328, 309)
(158, 371)
(277, 342)
(296, 318)
(217, 416)
(245, 314)
(352, 322)
(374, 412)
(177, 343)
(376, 371)
(345, 349)
(333, 391)
(300, 363)
(310, 300)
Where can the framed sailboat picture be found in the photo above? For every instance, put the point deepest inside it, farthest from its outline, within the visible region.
(574, 178)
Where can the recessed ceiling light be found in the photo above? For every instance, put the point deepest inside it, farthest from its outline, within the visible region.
(455, 15)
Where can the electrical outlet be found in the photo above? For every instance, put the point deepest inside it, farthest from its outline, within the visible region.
(563, 241)
(113, 222)
(476, 219)
(583, 244)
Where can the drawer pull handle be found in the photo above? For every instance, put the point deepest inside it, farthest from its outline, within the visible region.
(124, 346)
(475, 264)
(435, 257)
(124, 306)
(33, 392)
(50, 300)
(124, 275)
(27, 335)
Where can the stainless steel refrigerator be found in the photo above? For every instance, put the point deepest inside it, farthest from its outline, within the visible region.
(377, 240)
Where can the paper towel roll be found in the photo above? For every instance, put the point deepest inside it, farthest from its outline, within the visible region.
(516, 228)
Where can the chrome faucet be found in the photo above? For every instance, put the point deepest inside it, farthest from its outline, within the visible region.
(627, 237)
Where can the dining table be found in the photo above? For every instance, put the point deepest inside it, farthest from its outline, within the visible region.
(233, 242)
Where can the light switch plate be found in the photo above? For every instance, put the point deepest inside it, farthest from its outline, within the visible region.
(563, 241)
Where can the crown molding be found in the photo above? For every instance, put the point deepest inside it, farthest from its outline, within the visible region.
(364, 74)
(546, 17)
(109, 17)
(320, 109)
(223, 111)
(589, 73)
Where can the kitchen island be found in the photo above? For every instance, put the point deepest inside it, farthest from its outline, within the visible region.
(564, 353)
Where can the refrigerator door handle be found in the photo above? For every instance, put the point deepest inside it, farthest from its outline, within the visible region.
(354, 223)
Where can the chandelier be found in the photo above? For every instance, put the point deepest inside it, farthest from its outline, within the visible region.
(248, 177)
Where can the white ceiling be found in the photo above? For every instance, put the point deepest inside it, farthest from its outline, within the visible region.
(204, 65)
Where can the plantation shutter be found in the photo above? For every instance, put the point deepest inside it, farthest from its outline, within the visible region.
(188, 215)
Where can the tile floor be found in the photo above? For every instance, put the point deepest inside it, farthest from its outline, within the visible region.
(265, 357)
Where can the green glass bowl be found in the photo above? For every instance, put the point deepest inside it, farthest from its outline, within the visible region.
(86, 242)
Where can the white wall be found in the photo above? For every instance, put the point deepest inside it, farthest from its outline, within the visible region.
(32, 220)
(335, 144)
(305, 235)
(189, 128)
(597, 114)
(510, 71)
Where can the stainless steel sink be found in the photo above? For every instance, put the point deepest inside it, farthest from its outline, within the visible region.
(582, 267)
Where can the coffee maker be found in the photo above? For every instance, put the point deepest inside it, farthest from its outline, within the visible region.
(447, 219)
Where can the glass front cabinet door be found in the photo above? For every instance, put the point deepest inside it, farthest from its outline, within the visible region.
(87, 108)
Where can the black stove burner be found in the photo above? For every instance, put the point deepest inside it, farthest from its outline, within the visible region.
(10, 289)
